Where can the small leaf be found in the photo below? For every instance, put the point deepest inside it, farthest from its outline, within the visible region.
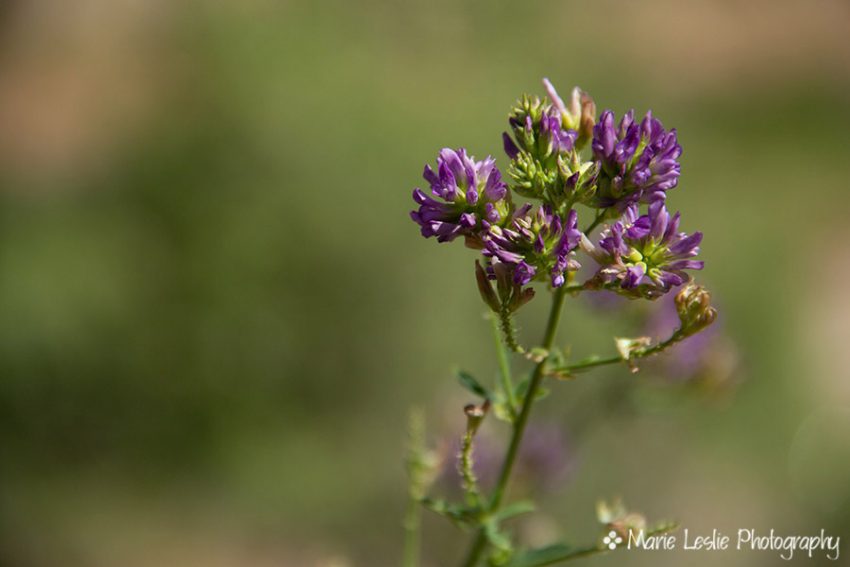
(497, 537)
(470, 383)
(513, 510)
(502, 411)
(521, 389)
(456, 513)
(557, 356)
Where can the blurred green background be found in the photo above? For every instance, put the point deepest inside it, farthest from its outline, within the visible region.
(215, 312)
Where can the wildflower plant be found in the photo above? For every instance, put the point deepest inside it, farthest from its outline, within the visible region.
(576, 172)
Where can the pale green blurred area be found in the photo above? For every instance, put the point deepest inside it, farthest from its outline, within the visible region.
(215, 312)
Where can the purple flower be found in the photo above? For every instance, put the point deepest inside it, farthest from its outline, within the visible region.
(580, 115)
(466, 193)
(644, 256)
(535, 243)
(638, 162)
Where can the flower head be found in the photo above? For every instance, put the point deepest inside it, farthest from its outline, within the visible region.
(535, 242)
(644, 256)
(466, 193)
(638, 162)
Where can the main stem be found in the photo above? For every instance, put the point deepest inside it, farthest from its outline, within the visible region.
(520, 424)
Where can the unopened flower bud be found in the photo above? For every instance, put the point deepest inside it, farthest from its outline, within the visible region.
(578, 178)
(485, 288)
(504, 279)
(578, 113)
(693, 304)
(587, 120)
(475, 415)
(521, 297)
(508, 295)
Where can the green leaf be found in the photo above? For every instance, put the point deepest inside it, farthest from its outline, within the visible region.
(470, 383)
(522, 388)
(497, 538)
(458, 514)
(502, 411)
(513, 510)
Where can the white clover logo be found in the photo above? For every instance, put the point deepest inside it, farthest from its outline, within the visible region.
(612, 540)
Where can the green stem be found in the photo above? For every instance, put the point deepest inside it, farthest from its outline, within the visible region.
(595, 361)
(470, 482)
(412, 530)
(570, 288)
(520, 424)
(508, 330)
(599, 217)
(504, 366)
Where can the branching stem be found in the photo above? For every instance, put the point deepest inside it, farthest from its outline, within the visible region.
(480, 541)
(641, 353)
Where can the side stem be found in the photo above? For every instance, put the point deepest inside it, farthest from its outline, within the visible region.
(616, 359)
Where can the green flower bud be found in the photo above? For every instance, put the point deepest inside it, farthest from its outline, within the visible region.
(577, 179)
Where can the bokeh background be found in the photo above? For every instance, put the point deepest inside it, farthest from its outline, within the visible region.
(215, 313)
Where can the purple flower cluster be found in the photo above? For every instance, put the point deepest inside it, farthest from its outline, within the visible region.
(638, 162)
(536, 241)
(632, 164)
(644, 256)
(466, 193)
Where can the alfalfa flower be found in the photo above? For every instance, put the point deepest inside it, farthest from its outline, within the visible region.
(578, 115)
(464, 194)
(535, 243)
(644, 256)
(638, 161)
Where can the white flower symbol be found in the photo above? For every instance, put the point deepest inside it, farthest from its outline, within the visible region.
(612, 540)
